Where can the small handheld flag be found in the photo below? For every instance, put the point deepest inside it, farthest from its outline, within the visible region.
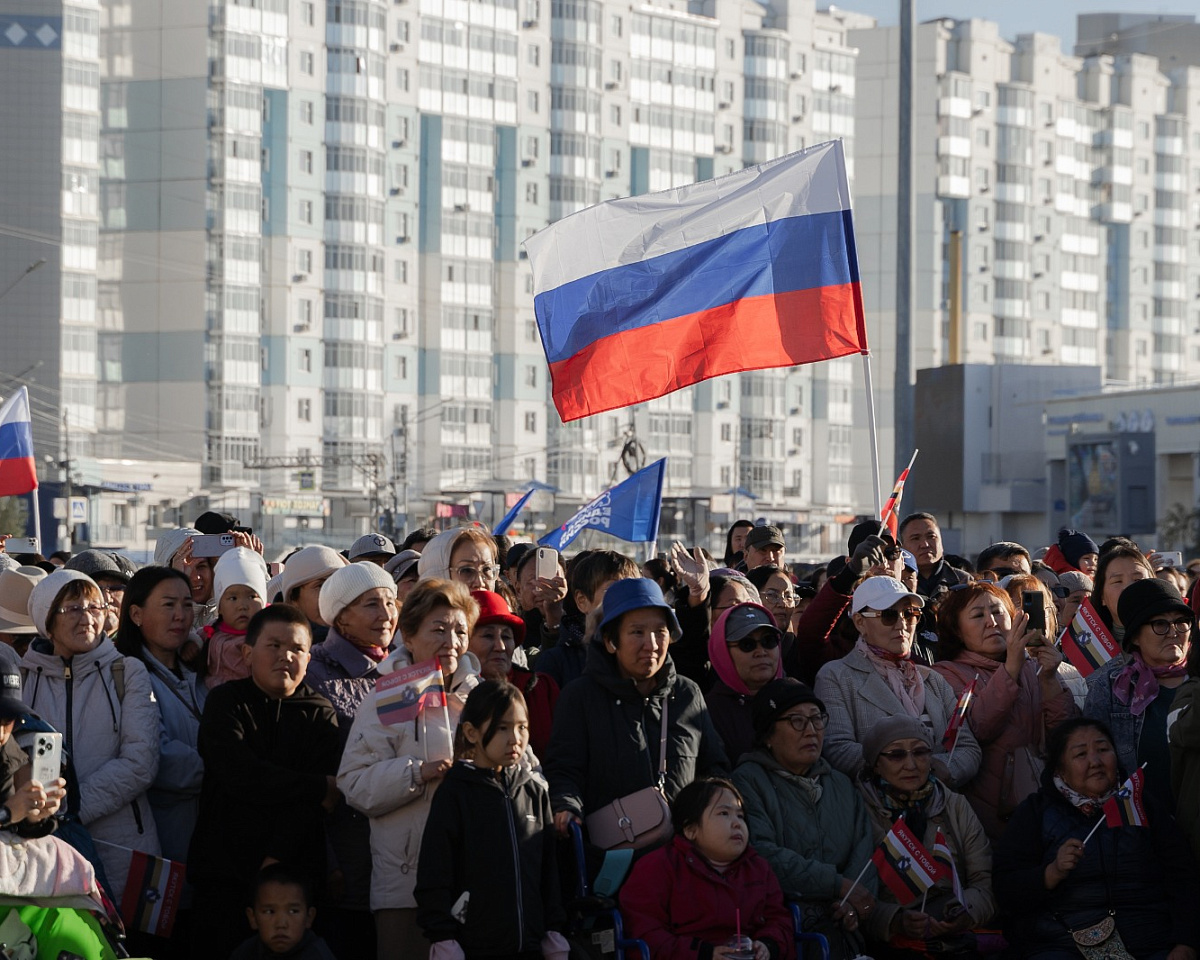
(950, 737)
(1125, 808)
(628, 511)
(904, 865)
(1087, 643)
(18, 469)
(152, 894)
(943, 855)
(890, 515)
(502, 527)
(399, 696)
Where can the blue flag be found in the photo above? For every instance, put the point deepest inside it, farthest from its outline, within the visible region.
(629, 511)
(503, 525)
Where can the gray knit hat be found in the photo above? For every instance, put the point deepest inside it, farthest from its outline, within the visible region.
(97, 563)
(886, 731)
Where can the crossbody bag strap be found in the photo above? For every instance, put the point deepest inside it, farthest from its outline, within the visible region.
(662, 745)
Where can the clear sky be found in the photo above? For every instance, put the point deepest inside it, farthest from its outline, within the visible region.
(1018, 16)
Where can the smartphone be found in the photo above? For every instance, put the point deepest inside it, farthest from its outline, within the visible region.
(547, 563)
(1032, 603)
(45, 757)
(1171, 558)
(212, 544)
(15, 545)
(274, 569)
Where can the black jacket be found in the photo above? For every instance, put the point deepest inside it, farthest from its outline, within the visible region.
(606, 734)
(490, 837)
(1145, 874)
(265, 764)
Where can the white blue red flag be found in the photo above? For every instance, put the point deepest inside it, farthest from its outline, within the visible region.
(400, 695)
(18, 469)
(641, 296)
(629, 511)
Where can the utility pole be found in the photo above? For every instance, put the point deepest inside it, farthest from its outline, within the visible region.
(68, 491)
(905, 239)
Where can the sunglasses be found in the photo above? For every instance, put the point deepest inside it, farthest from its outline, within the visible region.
(899, 756)
(751, 643)
(889, 618)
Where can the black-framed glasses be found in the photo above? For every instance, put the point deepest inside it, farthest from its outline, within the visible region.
(751, 643)
(1163, 627)
(899, 756)
(801, 722)
(889, 618)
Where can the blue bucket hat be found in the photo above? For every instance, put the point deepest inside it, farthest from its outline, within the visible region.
(635, 594)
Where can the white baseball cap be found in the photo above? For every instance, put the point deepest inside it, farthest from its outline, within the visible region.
(881, 593)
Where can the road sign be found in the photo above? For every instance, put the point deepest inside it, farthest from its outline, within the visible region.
(79, 510)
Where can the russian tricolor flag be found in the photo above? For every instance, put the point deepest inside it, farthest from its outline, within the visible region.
(641, 296)
(18, 470)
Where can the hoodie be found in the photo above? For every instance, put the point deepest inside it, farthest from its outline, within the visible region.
(435, 558)
(729, 698)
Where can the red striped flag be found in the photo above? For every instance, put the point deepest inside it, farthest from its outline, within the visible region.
(943, 855)
(1125, 808)
(1087, 643)
(152, 894)
(904, 865)
(950, 737)
(890, 514)
(399, 696)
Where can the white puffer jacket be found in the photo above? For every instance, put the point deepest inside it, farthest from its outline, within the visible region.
(380, 777)
(112, 739)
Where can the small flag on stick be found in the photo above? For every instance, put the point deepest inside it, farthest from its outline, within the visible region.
(1087, 642)
(399, 696)
(890, 515)
(904, 865)
(950, 737)
(943, 855)
(152, 894)
(1125, 808)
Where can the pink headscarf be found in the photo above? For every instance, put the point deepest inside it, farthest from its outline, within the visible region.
(722, 661)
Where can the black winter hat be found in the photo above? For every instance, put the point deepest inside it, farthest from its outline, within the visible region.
(1145, 599)
(1075, 545)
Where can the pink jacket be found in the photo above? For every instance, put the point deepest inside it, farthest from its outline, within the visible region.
(224, 656)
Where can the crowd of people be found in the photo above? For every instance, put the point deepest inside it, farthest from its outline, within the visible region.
(387, 751)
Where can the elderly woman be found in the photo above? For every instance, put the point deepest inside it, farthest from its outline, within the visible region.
(78, 682)
(805, 818)
(1054, 888)
(1018, 698)
(745, 653)
(466, 555)
(390, 770)
(304, 574)
(1133, 696)
(497, 635)
(878, 678)
(1118, 568)
(605, 743)
(897, 781)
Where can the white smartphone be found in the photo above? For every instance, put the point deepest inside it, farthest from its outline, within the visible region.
(1171, 558)
(547, 563)
(45, 757)
(212, 544)
(15, 545)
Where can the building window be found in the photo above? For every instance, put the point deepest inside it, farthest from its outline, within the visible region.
(304, 411)
(308, 13)
(531, 193)
(306, 211)
(616, 26)
(304, 262)
(402, 78)
(531, 331)
(305, 360)
(730, 49)
(531, 377)
(531, 423)
(307, 62)
(306, 112)
(400, 269)
(534, 55)
(402, 31)
(306, 161)
(401, 316)
(614, 70)
(402, 368)
(304, 312)
(615, 114)
(533, 101)
(983, 137)
(727, 432)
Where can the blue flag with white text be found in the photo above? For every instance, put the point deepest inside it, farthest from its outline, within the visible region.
(628, 511)
(503, 525)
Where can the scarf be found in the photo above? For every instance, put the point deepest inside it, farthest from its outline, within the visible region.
(221, 627)
(1089, 806)
(913, 807)
(1137, 685)
(899, 673)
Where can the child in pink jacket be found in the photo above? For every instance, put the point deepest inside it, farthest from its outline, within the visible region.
(240, 586)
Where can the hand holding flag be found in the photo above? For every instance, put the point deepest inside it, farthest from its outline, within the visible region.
(905, 866)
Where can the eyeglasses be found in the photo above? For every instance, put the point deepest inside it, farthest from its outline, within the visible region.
(800, 722)
(486, 572)
(889, 617)
(751, 643)
(774, 596)
(899, 756)
(75, 611)
(1163, 627)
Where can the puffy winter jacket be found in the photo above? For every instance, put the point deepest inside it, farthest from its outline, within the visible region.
(489, 838)
(683, 908)
(1183, 732)
(1145, 874)
(113, 740)
(380, 776)
(175, 794)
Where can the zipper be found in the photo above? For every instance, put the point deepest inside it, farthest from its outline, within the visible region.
(512, 834)
(137, 816)
(69, 736)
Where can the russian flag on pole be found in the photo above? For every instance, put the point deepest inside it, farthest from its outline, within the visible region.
(18, 470)
(641, 296)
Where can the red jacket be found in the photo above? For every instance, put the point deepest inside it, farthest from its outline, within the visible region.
(541, 697)
(683, 908)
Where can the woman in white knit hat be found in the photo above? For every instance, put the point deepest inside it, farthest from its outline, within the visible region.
(103, 705)
(304, 573)
(359, 604)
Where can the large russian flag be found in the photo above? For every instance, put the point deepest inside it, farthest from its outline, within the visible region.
(640, 296)
(18, 470)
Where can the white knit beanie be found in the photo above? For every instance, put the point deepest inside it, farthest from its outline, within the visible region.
(308, 564)
(350, 583)
(170, 543)
(42, 597)
(240, 566)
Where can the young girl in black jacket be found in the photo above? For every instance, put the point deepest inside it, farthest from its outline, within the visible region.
(487, 879)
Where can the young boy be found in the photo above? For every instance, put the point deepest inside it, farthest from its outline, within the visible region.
(270, 750)
(282, 916)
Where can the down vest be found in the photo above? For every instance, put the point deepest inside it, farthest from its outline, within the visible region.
(112, 739)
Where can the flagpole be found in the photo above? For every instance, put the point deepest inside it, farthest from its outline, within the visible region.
(866, 358)
(1098, 825)
(37, 519)
(855, 883)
